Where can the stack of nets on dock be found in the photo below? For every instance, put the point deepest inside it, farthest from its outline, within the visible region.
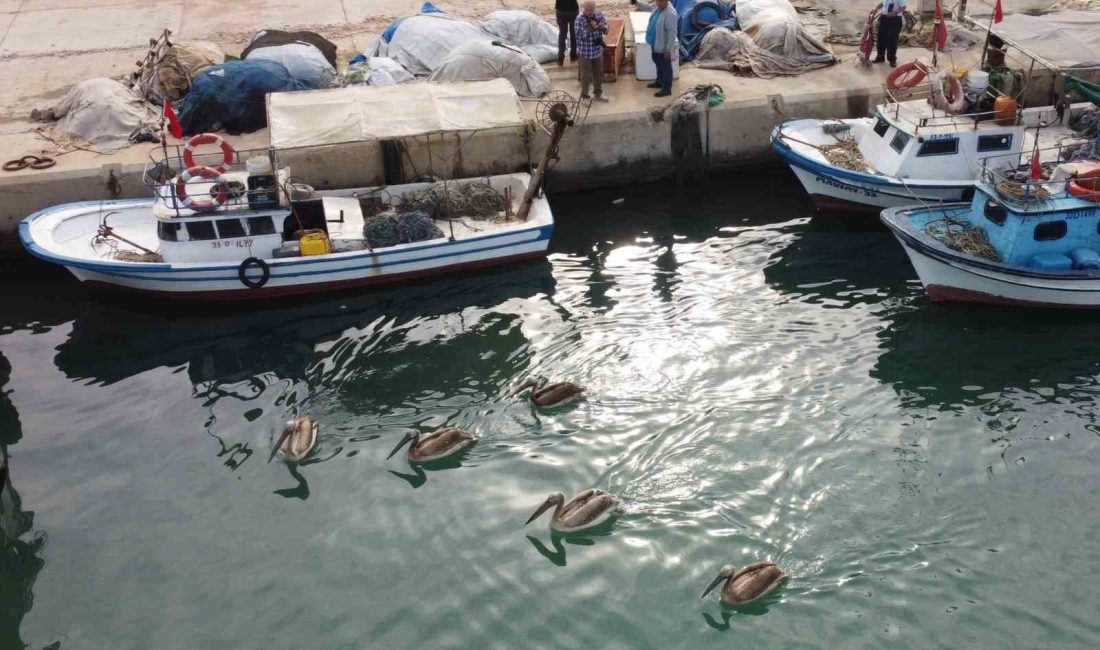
(446, 200)
(961, 236)
(391, 228)
(725, 49)
(845, 153)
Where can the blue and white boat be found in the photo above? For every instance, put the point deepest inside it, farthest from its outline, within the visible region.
(1017, 242)
(908, 152)
(231, 228)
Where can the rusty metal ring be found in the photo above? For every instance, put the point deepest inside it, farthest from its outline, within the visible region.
(45, 162)
(34, 162)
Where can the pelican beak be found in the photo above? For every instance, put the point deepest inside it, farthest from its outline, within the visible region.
(409, 436)
(717, 581)
(287, 430)
(543, 508)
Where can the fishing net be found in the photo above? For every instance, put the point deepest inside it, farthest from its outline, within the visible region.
(390, 228)
(845, 154)
(961, 236)
(137, 256)
(440, 201)
(1085, 124)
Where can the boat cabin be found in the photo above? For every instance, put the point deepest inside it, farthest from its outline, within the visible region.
(912, 139)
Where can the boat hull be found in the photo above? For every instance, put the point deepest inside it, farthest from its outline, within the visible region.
(952, 277)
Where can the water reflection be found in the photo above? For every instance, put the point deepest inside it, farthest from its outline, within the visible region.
(556, 552)
(20, 547)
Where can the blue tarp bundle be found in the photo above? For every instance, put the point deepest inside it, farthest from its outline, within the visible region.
(696, 18)
(231, 96)
(426, 8)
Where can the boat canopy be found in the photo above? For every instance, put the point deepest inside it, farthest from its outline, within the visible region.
(314, 118)
(1060, 40)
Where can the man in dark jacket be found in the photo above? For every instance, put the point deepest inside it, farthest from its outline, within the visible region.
(566, 11)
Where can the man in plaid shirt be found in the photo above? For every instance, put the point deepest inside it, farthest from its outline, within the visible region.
(589, 29)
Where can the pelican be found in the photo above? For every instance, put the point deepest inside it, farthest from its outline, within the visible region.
(437, 445)
(586, 510)
(545, 394)
(751, 583)
(297, 441)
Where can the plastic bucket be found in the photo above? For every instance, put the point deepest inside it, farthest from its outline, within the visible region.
(977, 81)
(258, 165)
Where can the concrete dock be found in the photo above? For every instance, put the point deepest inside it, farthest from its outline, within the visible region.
(44, 50)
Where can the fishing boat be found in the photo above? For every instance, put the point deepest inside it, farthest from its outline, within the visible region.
(242, 227)
(1031, 241)
(909, 152)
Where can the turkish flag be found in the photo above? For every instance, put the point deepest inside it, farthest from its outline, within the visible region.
(998, 12)
(174, 126)
(1036, 168)
(940, 31)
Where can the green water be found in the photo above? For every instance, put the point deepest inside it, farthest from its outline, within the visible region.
(760, 385)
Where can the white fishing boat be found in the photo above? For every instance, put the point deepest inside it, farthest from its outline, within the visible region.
(909, 152)
(1018, 242)
(242, 228)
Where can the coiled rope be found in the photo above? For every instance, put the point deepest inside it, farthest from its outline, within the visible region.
(961, 236)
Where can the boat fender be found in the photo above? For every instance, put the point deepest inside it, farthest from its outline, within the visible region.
(252, 283)
(219, 194)
(906, 75)
(1085, 259)
(228, 154)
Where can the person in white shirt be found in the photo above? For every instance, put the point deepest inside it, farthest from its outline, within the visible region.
(889, 29)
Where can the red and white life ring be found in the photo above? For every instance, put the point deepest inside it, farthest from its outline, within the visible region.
(1086, 185)
(957, 103)
(229, 156)
(907, 75)
(219, 193)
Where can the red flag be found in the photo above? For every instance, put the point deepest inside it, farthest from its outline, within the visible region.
(1036, 168)
(940, 31)
(174, 126)
(998, 12)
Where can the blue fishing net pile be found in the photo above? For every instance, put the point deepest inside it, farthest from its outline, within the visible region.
(390, 229)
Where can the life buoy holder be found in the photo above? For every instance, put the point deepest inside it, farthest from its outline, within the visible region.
(1086, 185)
(254, 283)
(219, 193)
(229, 156)
(906, 75)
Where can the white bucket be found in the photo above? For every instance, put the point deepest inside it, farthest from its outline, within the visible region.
(258, 165)
(977, 81)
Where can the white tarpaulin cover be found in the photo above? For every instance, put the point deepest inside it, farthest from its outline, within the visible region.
(774, 25)
(486, 59)
(338, 115)
(1066, 39)
(104, 112)
(533, 35)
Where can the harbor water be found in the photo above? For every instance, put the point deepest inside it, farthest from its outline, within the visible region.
(760, 385)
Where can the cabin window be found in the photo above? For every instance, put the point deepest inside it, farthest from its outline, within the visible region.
(230, 228)
(1050, 231)
(200, 230)
(899, 141)
(1002, 142)
(995, 212)
(944, 147)
(260, 226)
(881, 127)
(167, 231)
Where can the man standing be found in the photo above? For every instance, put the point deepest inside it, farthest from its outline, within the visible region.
(889, 30)
(662, 36)
(591, 26)
(566, 12)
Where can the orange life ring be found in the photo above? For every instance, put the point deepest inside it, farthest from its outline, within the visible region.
(900, 77)
(228, 154)
(1086, 185)
(219, 194)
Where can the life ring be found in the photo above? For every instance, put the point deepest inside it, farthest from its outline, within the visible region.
(957, 103)
(219, 194)
(1086, 185)
(258, 263)
(228, 154)
(906, 75)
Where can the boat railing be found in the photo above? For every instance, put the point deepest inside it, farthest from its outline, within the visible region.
(165, 165)
(1010, 177)
(901, 113)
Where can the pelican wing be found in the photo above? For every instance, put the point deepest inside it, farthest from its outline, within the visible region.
(443, 440)
(754, 584)
(591, 509)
